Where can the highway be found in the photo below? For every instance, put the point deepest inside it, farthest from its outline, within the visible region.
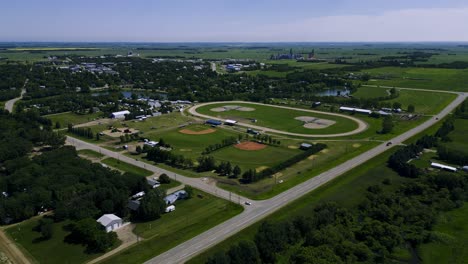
(259, 209)
(361, 124)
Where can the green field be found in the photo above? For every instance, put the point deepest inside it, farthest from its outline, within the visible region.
(125, 167)
(190, 218)
(348, 191)
(280, 119)
(72, 118)
(459, 136)
(423, 78)
(452, 245)
(54, 250)
(90, 153)
(424, 102)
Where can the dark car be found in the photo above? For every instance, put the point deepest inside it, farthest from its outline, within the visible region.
(389, 143)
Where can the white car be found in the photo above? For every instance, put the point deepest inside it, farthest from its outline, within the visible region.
(248, 203)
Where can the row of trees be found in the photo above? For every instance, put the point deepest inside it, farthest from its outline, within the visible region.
(81, 131)
(164, 156)
(224, 143)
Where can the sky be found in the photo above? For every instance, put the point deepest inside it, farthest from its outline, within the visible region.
(234, 20)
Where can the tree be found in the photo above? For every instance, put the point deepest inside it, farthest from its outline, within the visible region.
(387, 125)
(396, 105)
(46, 228)
(152, 205)
(236, 171)
(98, 137)
(411, 108)
(164, 179)
(90, 233)
(189, 190)
(138, 149)
(57, 125)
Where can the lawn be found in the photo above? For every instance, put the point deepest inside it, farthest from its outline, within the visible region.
(125, 167)
(190, 218)
(452, 247)
(424, 102)
(424, 78)
(281, 119)
(347, 190)
(72, 118)
(51, 251)
(90, 153)
(459, 136)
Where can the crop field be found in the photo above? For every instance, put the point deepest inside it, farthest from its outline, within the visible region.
(425, 102)
(191, 217)
(423, 78)
(280, 119)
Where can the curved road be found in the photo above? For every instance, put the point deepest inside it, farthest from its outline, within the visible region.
(260, 209)
(361, 124)
(11, 103)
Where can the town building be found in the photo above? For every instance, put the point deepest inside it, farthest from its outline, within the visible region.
(110, 222)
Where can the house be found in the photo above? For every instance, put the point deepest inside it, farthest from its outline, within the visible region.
(110, 222)
(357, 110)
(138, 195)
(213, 122)
(153, 183)
(133, 205)
(230, 122)
(443, 167)
(305, 146)
(120, 114)
(465, 168)
(173, 197)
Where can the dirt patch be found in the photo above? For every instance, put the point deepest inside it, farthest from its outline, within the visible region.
(324, 151)
(315, 123)
(261, 168)
(277, 175)
(292, 147)
(356, 145)
(120, 132)
(201, 132)
(249, 145)
(232, 107)
(312, 157)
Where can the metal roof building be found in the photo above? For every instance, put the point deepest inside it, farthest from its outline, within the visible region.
(443, 167)
(110, 222)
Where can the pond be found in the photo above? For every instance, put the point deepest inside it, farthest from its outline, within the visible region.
(333, 92)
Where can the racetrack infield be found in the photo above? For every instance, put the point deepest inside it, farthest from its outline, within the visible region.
(249, 145)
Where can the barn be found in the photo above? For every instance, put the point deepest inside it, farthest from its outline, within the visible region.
(110, 222)
(120, 114)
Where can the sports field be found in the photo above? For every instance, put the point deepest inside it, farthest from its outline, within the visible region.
(289, 120)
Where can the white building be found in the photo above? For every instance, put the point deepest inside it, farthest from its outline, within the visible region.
(110, 222)
(443, 167)
(357, 110)
(120, 114)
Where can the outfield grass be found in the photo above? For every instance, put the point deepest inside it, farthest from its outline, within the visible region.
(54, 250)
(72, 118)
(452, 227)
(190, 218)
(123, 166)
(348, 190)
(424, 78)
(90, 153)
(280, 119)
(424, 102)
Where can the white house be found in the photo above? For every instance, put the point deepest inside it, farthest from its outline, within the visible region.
(120, 114)
(110, 222)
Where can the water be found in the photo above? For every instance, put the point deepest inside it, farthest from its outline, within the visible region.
(333, 92)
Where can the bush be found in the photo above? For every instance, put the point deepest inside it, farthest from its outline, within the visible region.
(164, 179)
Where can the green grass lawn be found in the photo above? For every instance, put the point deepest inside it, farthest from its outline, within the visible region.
(459, 136)
(90, 153)
(453, 247)
(424, 78)
(281, 119)
(123, 166)
(190, 218)
(424, 102)
(347, 190)
(54, 250)
(72, 118)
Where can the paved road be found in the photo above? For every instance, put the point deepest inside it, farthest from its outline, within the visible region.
(361, 124)
(11, 103)
(198, 183)
(261, 209)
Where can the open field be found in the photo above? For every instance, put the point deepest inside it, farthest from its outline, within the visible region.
(423, 78)
(72, 118)
(453, 248)
(90, 153)
(459, 136)
(122, 166)
(424, 102)
(347, 190)
(190, 218)
(54, 250)
(279, 118)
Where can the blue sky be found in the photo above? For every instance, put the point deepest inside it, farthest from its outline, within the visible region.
(234, 20)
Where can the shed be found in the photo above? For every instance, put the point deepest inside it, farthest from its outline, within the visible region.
(120, 114)
(230, 122)
(110, 222)
(305, 146)
(443, 167)
(213, 122)
(173, 197)
(153, 183)
(357, 110)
